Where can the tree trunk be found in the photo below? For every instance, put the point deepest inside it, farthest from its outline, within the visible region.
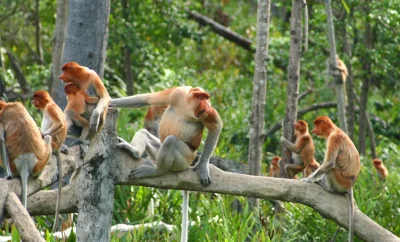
(128, 74)
(85, 43)
(58, 48)
(39, 48)
(259, 93)
(365, 85)
(339, 85)
(18, 73)
(292, 88)
(86, 37)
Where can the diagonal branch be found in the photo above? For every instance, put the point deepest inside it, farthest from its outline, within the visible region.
(223, 31)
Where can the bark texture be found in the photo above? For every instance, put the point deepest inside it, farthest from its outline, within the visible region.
(338, 82)
(259, 93)
(292, 87)
(57, 50)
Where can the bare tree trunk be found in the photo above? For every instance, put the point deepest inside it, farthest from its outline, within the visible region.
(85, 43)
(339, 87)
(350, 89)
(365, 86)
(38, 26)
(18, 73)
(292, 88)
(259, 93)
(58, 48)
(128, 74)
(3, 71)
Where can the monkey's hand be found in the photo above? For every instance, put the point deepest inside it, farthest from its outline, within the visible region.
(95, 120)
(204, 173)
(282, 139)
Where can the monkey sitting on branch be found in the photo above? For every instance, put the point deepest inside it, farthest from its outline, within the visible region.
(341, 164)
(181, 129)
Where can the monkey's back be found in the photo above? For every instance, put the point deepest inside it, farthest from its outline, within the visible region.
(22, 134)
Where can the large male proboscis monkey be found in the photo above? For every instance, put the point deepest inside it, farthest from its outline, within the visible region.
(76, 106)
(55, 125)
(302, 149)
(341, 164)
(84, 77)
(181, 129)
(28, 153)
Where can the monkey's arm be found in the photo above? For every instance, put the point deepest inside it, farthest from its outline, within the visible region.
(141, 100)
(54, 128)
(89, 99)
(214, 126)
(3, 154)
(296, 148)
(331, 153)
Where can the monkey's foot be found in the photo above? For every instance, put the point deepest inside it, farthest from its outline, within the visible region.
(143, 171)
(64, 149)
(132, 151)
(9, 177)
(306, 180)
(80, 142)
(204, 173)
(83, 149)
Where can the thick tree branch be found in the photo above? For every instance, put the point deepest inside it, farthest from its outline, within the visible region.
(223, 31)
(22, 220)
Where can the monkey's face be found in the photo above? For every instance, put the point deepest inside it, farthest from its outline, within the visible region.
(275, 161)
(377, 163)
(300, 127)
(40, 99)
(322, 126)
(199, 102)
(71, 89)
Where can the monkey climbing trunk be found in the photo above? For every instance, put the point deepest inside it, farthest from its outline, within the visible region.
(259, 93)
(339, 85)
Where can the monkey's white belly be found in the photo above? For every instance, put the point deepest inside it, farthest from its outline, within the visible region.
(46, 123)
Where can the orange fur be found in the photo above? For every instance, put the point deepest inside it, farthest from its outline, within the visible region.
(342, 68)
(22, 136)
(83, 78)
(43, 101)
(380, 168)
(340, 151)
(153, 117)
(303, 149)
(311, 168)
(274, 169)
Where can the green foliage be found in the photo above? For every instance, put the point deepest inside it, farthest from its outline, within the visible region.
(167, 49)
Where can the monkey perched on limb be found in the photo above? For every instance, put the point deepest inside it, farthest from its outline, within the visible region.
(302, 149)
(341, 164)
(380, 168)
(28, 153)
(84, 77)
(76, 106)
(153, 117)
(55, 125)
(342, 69)
(181, 129)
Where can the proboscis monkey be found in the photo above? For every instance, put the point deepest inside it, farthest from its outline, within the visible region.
(311, 168)
(28, 153)
(274, 168)
(84, 77)
(380, 168)
(55, 125)
(341, 164)
(342, 68)
(76, 106)
(153, 117)
(4, 162)
(302, 149)
(181, 128)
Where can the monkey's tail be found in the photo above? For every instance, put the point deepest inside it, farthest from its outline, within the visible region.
(185, 212)
(25, 164)
(351, 214)
(60, 182)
